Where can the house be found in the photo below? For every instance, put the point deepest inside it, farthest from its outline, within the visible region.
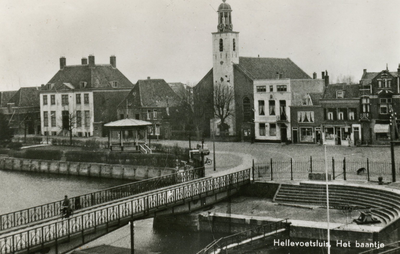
(5, 96)
(306, 120)
(22, 110)
(273, 100)
(82, 98)
(341, 107)
(379, 96)
(153, 100)
(238, 76)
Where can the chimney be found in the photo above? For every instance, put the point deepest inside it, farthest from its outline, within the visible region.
(365, 71)
(323, 75)
(63, 62)
(314, 75)
(148, 77)
(91, 60)
(84, 61)
(326, 78)
(113, 61)
(398, 69)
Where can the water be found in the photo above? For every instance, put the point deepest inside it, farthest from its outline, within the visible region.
(19, 190)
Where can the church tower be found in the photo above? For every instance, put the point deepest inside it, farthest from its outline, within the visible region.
(225, 55)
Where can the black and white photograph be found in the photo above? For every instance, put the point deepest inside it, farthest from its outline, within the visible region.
(199, 127)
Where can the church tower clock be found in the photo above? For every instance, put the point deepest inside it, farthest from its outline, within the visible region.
(225, 55)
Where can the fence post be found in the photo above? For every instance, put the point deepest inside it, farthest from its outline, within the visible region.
(344, 168)
(368, 169)
(272, 175)
(291, 169)
(333, 168)
(310, 164)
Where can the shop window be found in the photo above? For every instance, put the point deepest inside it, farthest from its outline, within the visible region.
(329, 133)
(306, 135)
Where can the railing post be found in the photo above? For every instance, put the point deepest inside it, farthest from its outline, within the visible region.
(368, 169)
(291, 169)
(272, 174)
(310, 164)
(344, 168)
(333, 168)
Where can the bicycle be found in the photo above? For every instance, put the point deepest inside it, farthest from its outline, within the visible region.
(208, 161)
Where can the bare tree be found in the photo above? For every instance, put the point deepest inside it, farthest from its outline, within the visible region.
(348, 79)
(223, 108)
(69, 122)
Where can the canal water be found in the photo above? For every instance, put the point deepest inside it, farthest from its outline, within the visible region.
(19, 190)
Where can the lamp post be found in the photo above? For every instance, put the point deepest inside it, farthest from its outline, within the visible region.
(215, 169)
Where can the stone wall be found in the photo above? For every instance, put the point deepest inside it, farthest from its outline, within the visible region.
(117, 171)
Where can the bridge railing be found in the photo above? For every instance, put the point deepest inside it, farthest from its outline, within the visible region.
(36, 237)
(244, 237)
(54, 209)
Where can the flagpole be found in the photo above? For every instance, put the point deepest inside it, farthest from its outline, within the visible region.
(327, 201)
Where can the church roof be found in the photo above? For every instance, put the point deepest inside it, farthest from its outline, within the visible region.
(270, 68)
(97, 76)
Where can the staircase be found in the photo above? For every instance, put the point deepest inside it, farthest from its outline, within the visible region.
(145, 149)
(384, 205)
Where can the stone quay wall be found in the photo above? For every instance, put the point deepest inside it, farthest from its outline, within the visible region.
(117, 171)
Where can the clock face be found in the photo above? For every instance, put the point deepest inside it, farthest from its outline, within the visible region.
(222, 62)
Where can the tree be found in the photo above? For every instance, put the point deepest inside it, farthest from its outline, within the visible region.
(348, 79)
(6, 132)
(223, 108)
(69, 122)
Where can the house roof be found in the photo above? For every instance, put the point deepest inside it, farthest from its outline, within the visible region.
(127, 122)
(179, 89)
(5, 97)
(97, 76)
(152, 93)
(315, 97)
(270, 68)
(26, 97)
(350, 91)
(367, 77)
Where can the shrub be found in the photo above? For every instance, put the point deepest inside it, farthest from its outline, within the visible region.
(43, 154)
(15, 145)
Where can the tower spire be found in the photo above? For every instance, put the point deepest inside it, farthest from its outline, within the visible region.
(224, 17)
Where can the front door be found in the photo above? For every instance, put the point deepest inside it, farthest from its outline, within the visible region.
(65, 120)
(283, 134)
(294, 136)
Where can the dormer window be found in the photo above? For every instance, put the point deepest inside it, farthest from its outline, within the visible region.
(340, 94)
(83, 84)
(114, 84)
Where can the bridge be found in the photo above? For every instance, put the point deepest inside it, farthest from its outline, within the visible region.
(42, 228)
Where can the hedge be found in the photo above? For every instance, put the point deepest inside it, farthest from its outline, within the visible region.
(110, 157)
(42, 154)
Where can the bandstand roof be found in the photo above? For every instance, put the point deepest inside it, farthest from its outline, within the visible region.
(125, 123)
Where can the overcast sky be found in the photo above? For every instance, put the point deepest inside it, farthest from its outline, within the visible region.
(171, 39)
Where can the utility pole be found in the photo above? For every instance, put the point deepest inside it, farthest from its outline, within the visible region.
(392, 136)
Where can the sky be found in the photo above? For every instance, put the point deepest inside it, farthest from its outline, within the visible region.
(171, 39)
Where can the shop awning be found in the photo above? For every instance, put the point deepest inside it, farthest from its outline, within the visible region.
(381, 128)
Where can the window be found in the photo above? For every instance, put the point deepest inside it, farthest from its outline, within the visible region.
(221, 45)
(148, 114)
(53, 119)
(305, 116)
(330, 115)
(385, 101)
(247, 112)
(52, 99)
(114, 84)
(306, 135)
(78, 118)
(340, 116)
(384, 109)
(329, 133)
(281, 88)
(45, 119)
(272, 129)
(234, 45)
(157, 130)
(351, 114)
(379, 83)
(271, 88)
(86, 98)
(282, 109)
(262, 129)
(261, 89)
(64, 99)
(83, 84)
(45, 99)
(271, 108)
(261, 109)
(78, 98)
(389, 83)
(154, 113)
(87, 118)
(340, 94)
(365, 105)
(385, 104)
